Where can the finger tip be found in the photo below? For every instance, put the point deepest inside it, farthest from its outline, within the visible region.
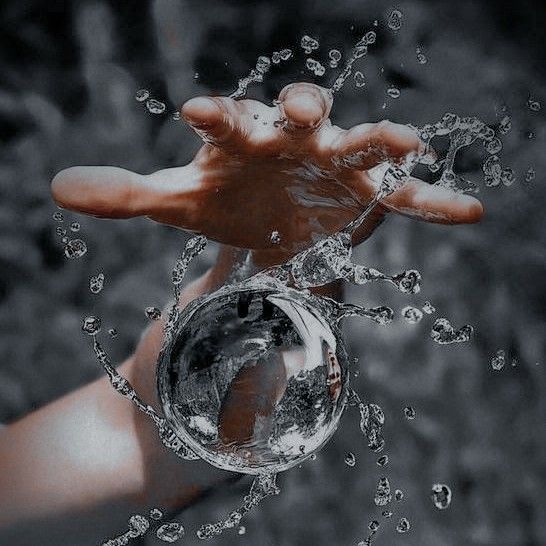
(305, 105)
(201, 111)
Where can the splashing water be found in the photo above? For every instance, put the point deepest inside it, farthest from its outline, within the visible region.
(499, 360)
(383, 492)
(264, 485)
(170, 532)
(138, 526)
(443, 332)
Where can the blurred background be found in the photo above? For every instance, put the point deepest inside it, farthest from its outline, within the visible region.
(70, 71)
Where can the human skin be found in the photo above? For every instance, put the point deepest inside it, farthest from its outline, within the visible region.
(91, 456)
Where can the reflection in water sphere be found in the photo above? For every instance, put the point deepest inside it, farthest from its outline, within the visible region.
(254, 379)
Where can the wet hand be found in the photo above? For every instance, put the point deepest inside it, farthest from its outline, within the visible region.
(263, 169)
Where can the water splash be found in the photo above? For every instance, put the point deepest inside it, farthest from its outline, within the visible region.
(138, 526)
(170, 532)
(264, 485)
(443, 332)
(499, 360)
(383, 494)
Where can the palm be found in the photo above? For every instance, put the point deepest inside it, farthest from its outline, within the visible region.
(254, 176)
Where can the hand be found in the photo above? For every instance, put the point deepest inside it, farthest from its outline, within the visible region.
(303, 177)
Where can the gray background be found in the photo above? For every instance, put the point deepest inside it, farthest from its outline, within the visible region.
(69, 74)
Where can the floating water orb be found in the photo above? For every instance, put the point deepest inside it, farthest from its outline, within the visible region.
(96, 283)
(499, 360)
(75, 248)
(410, 412)
(350, 459)
(252, 373)
(142, 94)
(412, 314)
(393, 92)
(155, 106)
(91, 325)
(138, 525)
(58, 216)
(241, 530)
(153, 313)
(314, 66)
(309, 44)
(441, 496)
(170, 532)
(275, 237)
(359, 79)
(403, 525)
(383, 460)
(383, 492)
(285, 54)
(394, 20)
(398, 495)
(75, 226)
(156, 514)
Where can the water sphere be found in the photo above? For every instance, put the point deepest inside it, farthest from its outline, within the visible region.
(254, 379)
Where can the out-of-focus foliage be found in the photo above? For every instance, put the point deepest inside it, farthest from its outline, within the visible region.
(69, 74)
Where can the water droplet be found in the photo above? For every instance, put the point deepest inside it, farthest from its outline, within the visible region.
(403, 525)
(412, 314)
(443, 332)
(499, 360)
(373, 525)
(60, 231)
(309, 44)
(170, 532)
(75, 248)
(383, 492)
(530, 174)
(138, 525)
(314, 66)
(153, 313)
(507, 176)
(408, 282)
(275, 237)
(241, 530)
(58, 216)
(505, 125)
(441, 496)
(113, 332)
(359, 79)
(398, 495)
(393, 92)
(372, 420)
(409, 412)
(493, 146)
(386, 514)
(155, 106)
(141, 95)
(350, 459)
(534, 105)
(156, 514)
(96, 283)
(335, 57)
(263, 64)
(428, 308)
(421, 57)
(285, 54)
(383, 460)
(394, 20)
(91, 325)
(176, 116)
(75, 226)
